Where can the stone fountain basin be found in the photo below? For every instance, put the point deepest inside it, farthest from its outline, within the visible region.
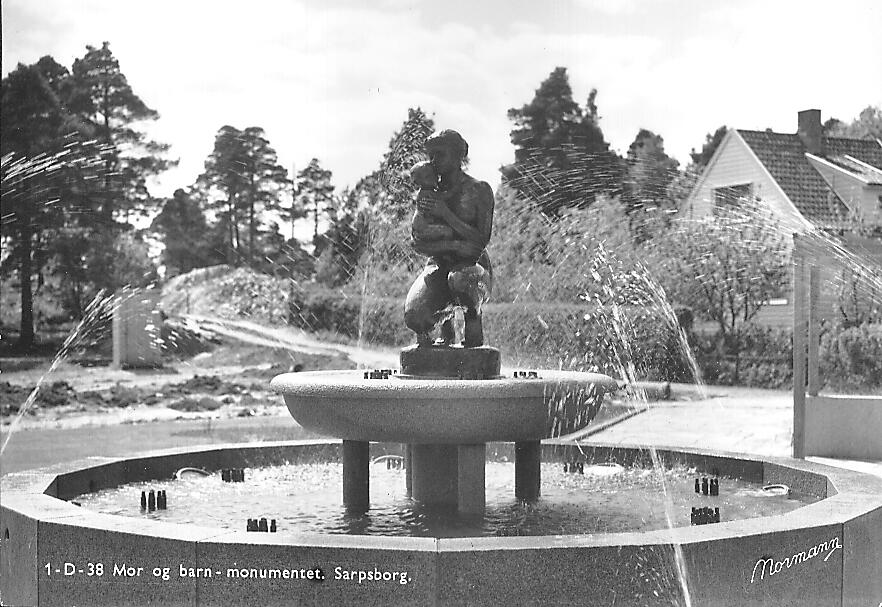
(345, 405)
(727, 563)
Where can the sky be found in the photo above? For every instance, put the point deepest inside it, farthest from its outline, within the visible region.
(333, 79)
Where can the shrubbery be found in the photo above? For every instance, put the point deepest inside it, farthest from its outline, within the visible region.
(764, 358)
(378, 321)
(541, 335)
(584, 337)
(852, 358)
(225, 291)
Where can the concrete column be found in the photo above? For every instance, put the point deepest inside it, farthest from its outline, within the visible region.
(435, 468)
(136, 330)
(527, 470)
(470, 481)
(408, 469)
(356, 475)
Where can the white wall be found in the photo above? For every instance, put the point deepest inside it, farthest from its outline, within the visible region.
(847, 427)
(734, 164)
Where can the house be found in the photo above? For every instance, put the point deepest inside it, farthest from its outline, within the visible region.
(807, 179)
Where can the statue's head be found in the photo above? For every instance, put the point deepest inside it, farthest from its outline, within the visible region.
(423, 175)
(452, 142)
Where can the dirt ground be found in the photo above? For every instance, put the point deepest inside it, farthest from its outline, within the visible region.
(229, 379)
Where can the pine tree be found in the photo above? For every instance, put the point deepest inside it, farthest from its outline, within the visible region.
(650, 172)
(222, 183)
(561, 157)
(265, 182)
(315, 192)
(183, 229)
(406, 148)
(39, 160)
(100, 93)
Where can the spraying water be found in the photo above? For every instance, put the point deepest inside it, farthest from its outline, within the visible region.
(94, 326)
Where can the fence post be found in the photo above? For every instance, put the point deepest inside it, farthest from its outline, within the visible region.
(799, 349)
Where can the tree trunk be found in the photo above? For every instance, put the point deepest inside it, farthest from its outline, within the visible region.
(231, 242)
(315, 232)
(25, 271)
(251, 230)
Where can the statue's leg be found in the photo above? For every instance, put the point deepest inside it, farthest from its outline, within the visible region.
(471, 286)
(473, 334)
(448, 332)
(426, 302)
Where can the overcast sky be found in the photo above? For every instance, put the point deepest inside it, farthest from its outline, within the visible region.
(333, 79)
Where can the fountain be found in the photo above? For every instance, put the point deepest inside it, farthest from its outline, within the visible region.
(449, 400)
(452, 408)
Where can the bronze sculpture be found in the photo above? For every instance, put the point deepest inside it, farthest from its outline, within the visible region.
(452, 227)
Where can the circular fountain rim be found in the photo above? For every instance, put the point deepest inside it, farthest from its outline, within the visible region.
(345, 404)
(42, 494)
(720, 559)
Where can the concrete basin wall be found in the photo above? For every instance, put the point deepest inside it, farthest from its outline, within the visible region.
(827, 553)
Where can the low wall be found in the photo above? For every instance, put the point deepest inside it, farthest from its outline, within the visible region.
(54, 553)
(848, 427)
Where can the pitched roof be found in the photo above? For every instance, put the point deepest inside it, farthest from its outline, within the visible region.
(783, 155)
(864, 170)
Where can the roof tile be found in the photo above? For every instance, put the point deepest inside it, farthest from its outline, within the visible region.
(783, 155)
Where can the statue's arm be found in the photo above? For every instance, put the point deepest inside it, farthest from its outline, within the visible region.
(479, 234)
(486, 204)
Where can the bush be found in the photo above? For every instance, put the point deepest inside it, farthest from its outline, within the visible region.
(764, 357)
(227, 292)
(583, 337)
(540, 335)
(371, 319)
(851, 359)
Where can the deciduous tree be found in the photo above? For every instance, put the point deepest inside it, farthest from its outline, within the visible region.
(868, 125)
(725, 268)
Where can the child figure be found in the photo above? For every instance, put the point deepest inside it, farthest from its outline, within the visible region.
(424, 227)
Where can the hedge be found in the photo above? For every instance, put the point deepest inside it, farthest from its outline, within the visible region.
(541, 335)
(570, 336)
(852, 358)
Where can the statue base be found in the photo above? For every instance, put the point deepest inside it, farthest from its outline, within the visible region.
(451, 362)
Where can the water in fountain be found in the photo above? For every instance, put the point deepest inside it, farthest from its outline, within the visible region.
(304, 498)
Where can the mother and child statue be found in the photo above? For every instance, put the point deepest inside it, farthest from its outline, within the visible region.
(451, 226)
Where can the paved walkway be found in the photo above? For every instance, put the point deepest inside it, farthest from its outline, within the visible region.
(741, 420)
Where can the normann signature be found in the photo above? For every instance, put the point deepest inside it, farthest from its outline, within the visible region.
(772, 566)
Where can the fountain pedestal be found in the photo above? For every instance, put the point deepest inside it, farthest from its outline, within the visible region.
(449, 474)
(445, 406)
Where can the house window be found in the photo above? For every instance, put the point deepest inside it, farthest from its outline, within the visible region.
(732, 195)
